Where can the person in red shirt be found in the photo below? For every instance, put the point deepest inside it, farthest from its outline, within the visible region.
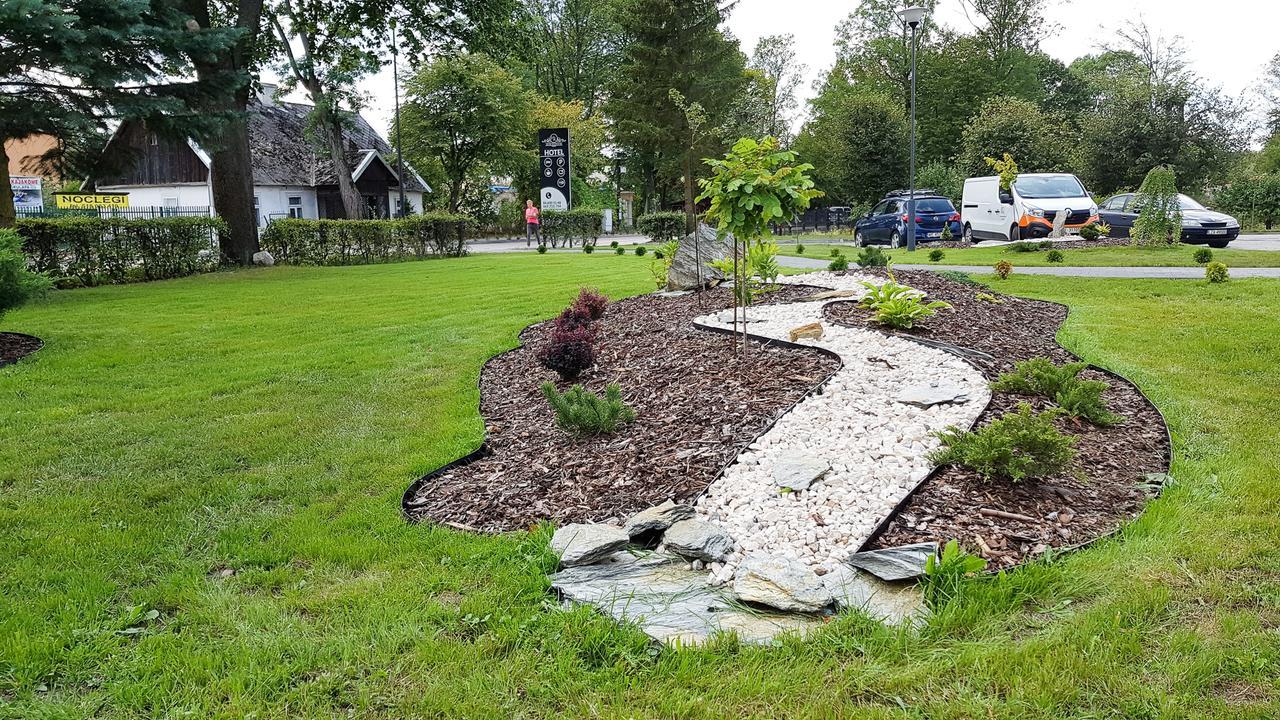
(533, 228)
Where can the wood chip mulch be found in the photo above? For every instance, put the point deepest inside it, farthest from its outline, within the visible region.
(1004, 522)
(697, 405)
(15, 346)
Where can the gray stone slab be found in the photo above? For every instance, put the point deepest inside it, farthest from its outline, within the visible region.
(670, 603)
(698, 539)
(899, 563)
(659, 517)
(781, 583)
(798, 472)
(890, 603)
(930, 394)
(582, 543)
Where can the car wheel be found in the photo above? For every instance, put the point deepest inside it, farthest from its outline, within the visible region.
(895, 240)
(859, 239)
(968, 233)
(1015, 233)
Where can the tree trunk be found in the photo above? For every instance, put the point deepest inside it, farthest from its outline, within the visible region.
(689, 223)
(8, 213)
(332, 125)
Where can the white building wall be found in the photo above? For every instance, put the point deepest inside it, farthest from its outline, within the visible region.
(414, 199)
(144, 196)
(273, 202)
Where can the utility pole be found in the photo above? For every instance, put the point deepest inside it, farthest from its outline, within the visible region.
(395, 81)
(912, 16)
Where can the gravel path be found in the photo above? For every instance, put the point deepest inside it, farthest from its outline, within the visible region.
(875, 446)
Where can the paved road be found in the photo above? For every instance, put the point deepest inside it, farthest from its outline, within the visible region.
(503, 246)
(1100, 272)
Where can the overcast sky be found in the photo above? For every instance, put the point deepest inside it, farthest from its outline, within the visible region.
(1227, 41)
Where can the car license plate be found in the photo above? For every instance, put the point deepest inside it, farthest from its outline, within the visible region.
(1217, 232)
(934, 235)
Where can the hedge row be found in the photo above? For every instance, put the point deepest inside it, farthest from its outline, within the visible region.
(359, 242)
(661, 227)
(563, 227)
(77, 251)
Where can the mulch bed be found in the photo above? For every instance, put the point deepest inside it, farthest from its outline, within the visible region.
(15, 346)
(1102, 492)
(696, 404)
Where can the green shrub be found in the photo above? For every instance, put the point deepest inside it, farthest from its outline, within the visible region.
(1055, 256)
(298, 241)
(840, 264)
(904, 312)
(800, 249)
(619, 251)
(1216, 272)
(542, 249)
(641, 250)
(936, 254)
(944, 574)
(1023, 246)
(661, 227)
(563, 227)
(1090, 232)
(947, 235)
(1202, 256)
(1019, 446)
(17, 283)
(588, 249)
(960, 277)
(584, 414)
(1061, 384)
(878, 294)
(117, 250)
(1003, 269)
(1159, 219)
(872, 256)
(988, 298)
(834, 252)
(613, 244)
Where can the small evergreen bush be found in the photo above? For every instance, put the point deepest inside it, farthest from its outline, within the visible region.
(542, 249)
(588, 249)
(613, 244)
(1216, 272)
(1055, 256)
(936, 254)
(1202, 256)
(840, 264)
(640, 251)
(800, 249)
(1023, 246)
(1061, 384)
(960, 277)
(872, 256)
(1090, 232)
(17, 284)
(1003, 269)
(584, 414)
(619, 251)
(834, 252)
(1019, 446)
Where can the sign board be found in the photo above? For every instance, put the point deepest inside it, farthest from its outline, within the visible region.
(27, 192)
(91, 201)
(553, 169)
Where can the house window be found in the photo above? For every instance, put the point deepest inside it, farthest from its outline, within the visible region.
(170, 201)
(155, 139)
(257, 213)
(295, 206)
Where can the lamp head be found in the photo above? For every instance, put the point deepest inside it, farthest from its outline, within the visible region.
(912, 15)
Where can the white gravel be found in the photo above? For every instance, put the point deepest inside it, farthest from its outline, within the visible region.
(875, 445)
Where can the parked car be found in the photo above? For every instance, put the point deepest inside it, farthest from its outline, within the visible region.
(1028, 210)
(1200, 225)
(887, 221)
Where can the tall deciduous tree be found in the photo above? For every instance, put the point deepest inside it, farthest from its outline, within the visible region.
(774, 57)
(570, 49)
(858, 143)
(1040, 143)
(73, 67)
(465, 112)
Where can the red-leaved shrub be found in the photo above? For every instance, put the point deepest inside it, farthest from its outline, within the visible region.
(569, 350)
(574, 317)
(592, 302)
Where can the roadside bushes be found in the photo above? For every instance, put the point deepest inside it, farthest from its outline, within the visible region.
(1003, 269)
(296, 241)
(1055, 256)
(872, 256)
(17, 284)
(77, 251)
(1159, 220)
(1090, 232)
(1216, 272)
(1202, 256)
(563, 227)
(661, 227)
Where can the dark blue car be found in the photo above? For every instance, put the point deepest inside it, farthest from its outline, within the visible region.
(887, 221)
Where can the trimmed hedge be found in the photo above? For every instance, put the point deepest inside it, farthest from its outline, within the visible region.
(359, 242)
(562, 227)
(76, 251)
(661, 227)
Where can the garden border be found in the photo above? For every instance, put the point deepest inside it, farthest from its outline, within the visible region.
(39, 346)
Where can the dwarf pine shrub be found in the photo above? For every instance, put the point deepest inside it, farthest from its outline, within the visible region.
(1020, 445)
(584, 414)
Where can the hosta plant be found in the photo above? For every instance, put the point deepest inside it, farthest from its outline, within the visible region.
(902, 313)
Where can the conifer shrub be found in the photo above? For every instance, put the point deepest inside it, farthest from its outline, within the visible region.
(584, 414)
(1021, 445)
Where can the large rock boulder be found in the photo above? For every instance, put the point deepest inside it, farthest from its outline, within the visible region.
(699, 540)
(262, 257)
(703, 246)
(583, 544)
(781, 583)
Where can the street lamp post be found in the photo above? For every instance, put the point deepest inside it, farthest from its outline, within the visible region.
(395, 81)
(912, 16)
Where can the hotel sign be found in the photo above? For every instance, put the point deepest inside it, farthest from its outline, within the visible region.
(553, 169)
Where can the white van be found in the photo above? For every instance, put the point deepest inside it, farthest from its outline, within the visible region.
(986, 213)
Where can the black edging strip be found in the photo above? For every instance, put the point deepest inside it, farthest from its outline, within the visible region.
(484, 450)
(39, 346)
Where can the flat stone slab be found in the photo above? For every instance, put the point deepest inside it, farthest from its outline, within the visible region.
(672, 293)
(929, 394)
(583, 544)
(698, 539)
(890, 603)
(898, 563)
(669, 602)
(798, 472)
(659, 517)
(781, 583)
(830, 295)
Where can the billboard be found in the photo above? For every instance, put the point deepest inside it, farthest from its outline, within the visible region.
(27, 192)
(553, 169)
(91, 201)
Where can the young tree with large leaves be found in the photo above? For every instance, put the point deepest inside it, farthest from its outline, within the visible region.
(464, 112)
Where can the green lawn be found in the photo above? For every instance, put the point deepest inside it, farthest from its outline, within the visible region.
(199, 488)
(1179, 255)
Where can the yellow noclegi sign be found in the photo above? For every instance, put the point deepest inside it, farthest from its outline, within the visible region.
(91, 201)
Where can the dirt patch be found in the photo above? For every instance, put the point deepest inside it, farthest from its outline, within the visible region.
(1104, 489)
(697, 406)
(15, 346)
